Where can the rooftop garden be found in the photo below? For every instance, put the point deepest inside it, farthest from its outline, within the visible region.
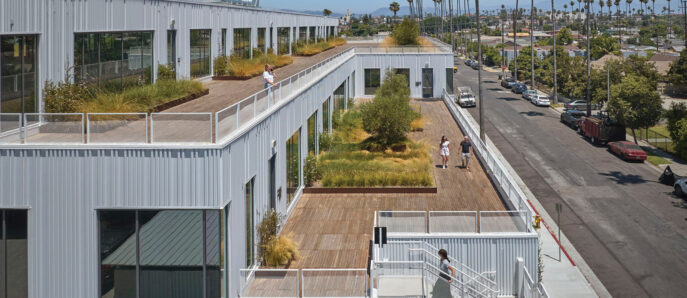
(69, 97)
(243, 68)
(406, 33)
(310, 49)
(370, 147)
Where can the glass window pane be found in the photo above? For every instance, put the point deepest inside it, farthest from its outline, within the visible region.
(313, 33)
(339, 104)
(133, 59)
(213, 247)
(118, 253)
(325, 115)
(171, 253)
(372, 80)
(449, 80)
(293, 153)
(30, 73)
(110, 72)
(250, 225)
(283, 40)
(172, 49)
(147, 53)
(200, 53)
(242, 42)
(261, 37)
(303, 34)
(312, 134)
(17, 254)
(11, 95)
(223, 50)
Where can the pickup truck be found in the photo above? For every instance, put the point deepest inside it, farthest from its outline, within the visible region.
(465, 98)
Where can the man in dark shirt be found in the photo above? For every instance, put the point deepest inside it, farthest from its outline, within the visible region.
(465, 152)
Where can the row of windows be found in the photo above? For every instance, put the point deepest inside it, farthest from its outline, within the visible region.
(373, 80)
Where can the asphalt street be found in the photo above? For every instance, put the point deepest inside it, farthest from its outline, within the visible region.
(629, 228)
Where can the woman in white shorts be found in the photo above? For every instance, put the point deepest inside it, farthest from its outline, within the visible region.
(444, 151)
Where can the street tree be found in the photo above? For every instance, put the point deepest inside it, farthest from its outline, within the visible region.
(635, 103)
(564, 36)
(678, 70)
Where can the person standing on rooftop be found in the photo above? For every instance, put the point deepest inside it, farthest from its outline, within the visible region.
(465, 152)
(268, 77)
(444, 151)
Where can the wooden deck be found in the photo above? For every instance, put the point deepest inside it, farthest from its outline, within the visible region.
(333, 231)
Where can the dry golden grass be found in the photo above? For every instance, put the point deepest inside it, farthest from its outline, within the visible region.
(388, 42)
(424, 42)
(337, 41)
(254, 67)
(417, 125)
(391, 42)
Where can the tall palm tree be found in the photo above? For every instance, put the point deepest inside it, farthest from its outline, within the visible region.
(452, 32)
(515, 41)
(588, 54)
(670, 20)
(555, 66)
(532, 12)
(601, 5)
(394, 7)
(617, 19)
(609, 4)
(410, 5)
(653, 21)
(503, 16)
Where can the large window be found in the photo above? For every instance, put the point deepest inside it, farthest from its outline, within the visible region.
(223, 49)
(200, 53)
(312, 134)
(250, 222)
(19, 73)
(331, 31)
(174, 253)
(351, 93)
(242, 42)
(113, 60)
(172, 50)
(303, 34)
(313, 33)
(449, 80)
(13, 254)
(325, 115)
(372, 80)
(283, 40)
(405, 72)
(339, 104)
(293, 166)
(262, 38)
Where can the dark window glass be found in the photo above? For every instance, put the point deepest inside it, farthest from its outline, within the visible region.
(200, 53)
(313, 33)
(303, 34)
(242, 42)
(223, 50)
(110, 72)
(352, 92)
(449, 80)
(293, 153)
(372, 80)
(312, 134)
(172, 50)
(17, 254)
(261, 38)
(18, 73)
(405, 72)
(213, 255)
(250, 224)
(118, 253)
(283, 40)
(171, 253)
(339, 104)
(325, 115)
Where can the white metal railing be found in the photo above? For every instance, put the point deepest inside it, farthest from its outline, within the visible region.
(108, 128)
(334, 282)
(10, 132)
(493, 164)
(447, 222)
(530, 289)
(401, 50)
(51, 128)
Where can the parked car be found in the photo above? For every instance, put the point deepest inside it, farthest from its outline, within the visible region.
(681, 187)
(519, 88)
(627, 151)
(507, 83)
(475, 65)
(541, 100)
(602, 129)
(527, 94)
(572, 118)
(468, 62)
(580, 105)
(466, 100)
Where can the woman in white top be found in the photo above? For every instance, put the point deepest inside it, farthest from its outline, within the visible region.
(268, 77)
(444, 151)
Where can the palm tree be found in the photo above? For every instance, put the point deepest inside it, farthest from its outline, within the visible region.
(326, 12)
(601, 5)
(609, 4)
(617, 19)
(503, 16)
(515, 41)
(555, 66)
(670, 20)
(479, 75)
(589, 91)
(532, 11)
(394, 7)
(410, 4)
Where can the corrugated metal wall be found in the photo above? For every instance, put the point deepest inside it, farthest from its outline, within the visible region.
(482, 253)
(56, 21)
(438, 61)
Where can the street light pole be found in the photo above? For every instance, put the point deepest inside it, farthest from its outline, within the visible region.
(555, 67)
(532, 42)
(503, 43)
(589, 88)
(479, 75)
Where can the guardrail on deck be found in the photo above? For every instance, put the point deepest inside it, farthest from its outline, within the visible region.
(447, 222)
(320, 282)
(492, 163)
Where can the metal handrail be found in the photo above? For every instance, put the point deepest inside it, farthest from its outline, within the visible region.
(493, 284)
(473, 271)
(302, 277)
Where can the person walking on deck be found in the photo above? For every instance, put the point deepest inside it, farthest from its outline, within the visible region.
(465, 152)
(444, 151)
(268, 77)
(442, 287)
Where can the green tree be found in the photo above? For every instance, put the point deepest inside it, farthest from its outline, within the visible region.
(327, 12)
(602, 45)
(564, 37)
(680, 138)
(635, 103)
(387, 118)
(406, 33)
(677, 112)
(678, 70)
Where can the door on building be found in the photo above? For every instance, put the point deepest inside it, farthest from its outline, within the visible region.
(19, 75)
(273, 182)
(172, 49)
(427, 82)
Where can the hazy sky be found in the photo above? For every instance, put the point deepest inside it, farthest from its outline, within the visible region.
(365, 6)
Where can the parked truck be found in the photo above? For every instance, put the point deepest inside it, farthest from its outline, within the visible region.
(601, 129)
(464, 97)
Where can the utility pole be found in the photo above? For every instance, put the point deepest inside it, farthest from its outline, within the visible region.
(473, 45)
(555, 67)
(589, 70)
(515, 41)
(460, 27)
(684, 12)
(450, 9)
(479, 76)
(503, 42)
(532, 41)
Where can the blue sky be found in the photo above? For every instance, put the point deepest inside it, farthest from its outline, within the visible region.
(365, 6)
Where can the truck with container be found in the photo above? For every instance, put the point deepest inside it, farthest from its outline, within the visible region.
(601, 129)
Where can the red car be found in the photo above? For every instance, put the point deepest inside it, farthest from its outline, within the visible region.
(627, 150)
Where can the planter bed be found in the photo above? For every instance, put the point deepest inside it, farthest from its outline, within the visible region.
(377, 190)
(243, 78)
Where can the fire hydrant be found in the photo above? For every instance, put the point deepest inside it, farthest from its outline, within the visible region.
(537, 221)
